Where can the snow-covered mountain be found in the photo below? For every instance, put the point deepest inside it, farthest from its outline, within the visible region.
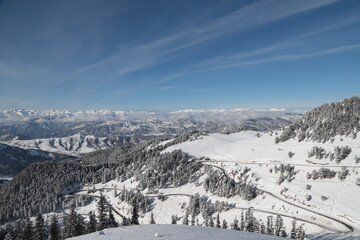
(172, 232)
(250, 181)
(75, 133)
(21, 115)
(104, 123)
(13, 159)
(73, 145)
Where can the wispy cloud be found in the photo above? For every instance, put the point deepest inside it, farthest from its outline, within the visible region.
(285, 57)
(158, 51)
(272, 53)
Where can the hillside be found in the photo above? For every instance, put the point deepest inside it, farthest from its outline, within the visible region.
(74, 145)
(173, 232)
(14, 159)
(325, 122)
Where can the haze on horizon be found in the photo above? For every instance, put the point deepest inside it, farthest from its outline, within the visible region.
(171, 55)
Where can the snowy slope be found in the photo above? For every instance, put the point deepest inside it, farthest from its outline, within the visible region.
(260, 153)
(337, 217)
(173, 232)
(73, 145)
(13, 159)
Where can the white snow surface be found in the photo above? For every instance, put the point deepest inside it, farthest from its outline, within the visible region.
(72, 145)
(173, 232)
(233, 153)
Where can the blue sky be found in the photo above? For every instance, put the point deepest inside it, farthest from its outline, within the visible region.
(170, 55)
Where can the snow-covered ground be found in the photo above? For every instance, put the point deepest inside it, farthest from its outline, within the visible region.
(73, 145)
(337, 217)
(172, 232)
(233, 152)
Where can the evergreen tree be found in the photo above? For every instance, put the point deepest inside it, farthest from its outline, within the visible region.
(91, 226)
(2, 233)
(301, 233)
(67, 226)
(279, 224)
(283, 232)
(206, 222)
(102, 209)
(173, 219)
(10, 236)
(224, 224)
(135, 213)
(152, 220)
(293, 229)
(249, 221)
(262, 228)
(192, 219)
(186, 218)
(40, 232)
(270, 225)
(211, 223)
(217, 221)
(79, 228)
(125, 222)
(112, 221)
(242, 221)
(27, 232)
(54, 229)
(72, 223)
(235, 225)
(10, 232)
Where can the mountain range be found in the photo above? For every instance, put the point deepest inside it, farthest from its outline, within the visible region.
(296, 180)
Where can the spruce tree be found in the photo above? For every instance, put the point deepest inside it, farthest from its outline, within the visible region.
(211, 223)
(112, 221)
(235, 225)
(283, 232)
(293, 229)
(9, 232)
(270, 225)
(54, 229)
(2, 233)
(173, 219)
(186, 218)
(206, 222)
(10, 236)
(40, 232)
(192, 219)
(262, 228)
(66, 226)
(91, 225)
(135, 213)
(79, 228)
(27, 232)
(301, 233)
(279, 224)
(242, 221)
(217, 221)
(72, 223)
(224, 224)
(152, 220)
(249, 221)
(102, 217)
